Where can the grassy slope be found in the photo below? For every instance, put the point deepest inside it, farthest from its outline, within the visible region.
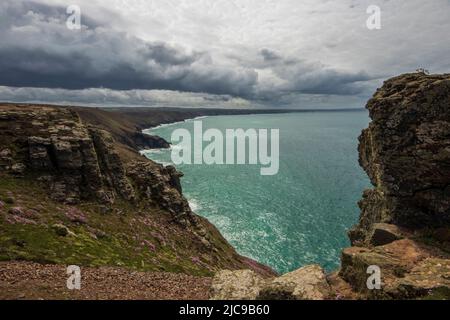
(143, 242)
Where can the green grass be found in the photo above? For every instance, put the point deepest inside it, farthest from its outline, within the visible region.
(120, 241)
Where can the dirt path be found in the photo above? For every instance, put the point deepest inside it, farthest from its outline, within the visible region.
(27, 280)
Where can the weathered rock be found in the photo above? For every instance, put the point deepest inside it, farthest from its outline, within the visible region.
(340, 289)
(18, 211)
(39, 151)
(307, 283)
(18, 168)
(5, 154)
(383, 233)
(31, 214)
(147, 141)
(6, 159)
(10, 200)
(104, 209)
(60, 230)
(236, 285)
(430, 278)
(395, 260)
(113, 171)
(174, 178)
(161, 185)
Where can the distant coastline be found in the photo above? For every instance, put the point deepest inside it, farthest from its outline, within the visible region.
(151, 117)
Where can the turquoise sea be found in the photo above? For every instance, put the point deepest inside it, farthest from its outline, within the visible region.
(296, 217)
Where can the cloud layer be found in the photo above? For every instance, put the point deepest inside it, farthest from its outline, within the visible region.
(220, 53)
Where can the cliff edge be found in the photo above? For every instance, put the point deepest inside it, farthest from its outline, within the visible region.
(404, 226)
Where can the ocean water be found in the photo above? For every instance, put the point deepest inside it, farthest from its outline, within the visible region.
(296, 217)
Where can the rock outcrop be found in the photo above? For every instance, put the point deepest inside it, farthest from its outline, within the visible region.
(75, 161)
(236, 285)
(307, 283)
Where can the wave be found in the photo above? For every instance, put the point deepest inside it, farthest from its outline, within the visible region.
(197, 118)
(150, 153)
(194, 205)
(163, 125)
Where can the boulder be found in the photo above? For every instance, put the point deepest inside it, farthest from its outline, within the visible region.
(236, 285)
(5, 154)
(307, 283)
(10, 199)
(395, 260)
(18, 211)
(18, 168)
(60, 230)
(383, 233)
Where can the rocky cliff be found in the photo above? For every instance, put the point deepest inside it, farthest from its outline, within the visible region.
(406, 153)
(73, 189)
(404, 226)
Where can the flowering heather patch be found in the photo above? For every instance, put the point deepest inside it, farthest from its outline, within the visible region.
(149, 245)
(15, 219)
(30, 214)
(200, 263)
(196, 260)
(21, 215)
(254, 265)
(75, 215)
(160, 238)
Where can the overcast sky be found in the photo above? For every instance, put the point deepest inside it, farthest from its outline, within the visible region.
(216, 53)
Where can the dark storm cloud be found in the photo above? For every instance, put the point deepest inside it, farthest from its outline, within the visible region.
(37, 50)
(301, 76)
(328, 81)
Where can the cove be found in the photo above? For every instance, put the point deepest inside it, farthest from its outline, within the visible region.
(297, 217)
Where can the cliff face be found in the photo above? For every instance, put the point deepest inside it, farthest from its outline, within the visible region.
(404, 226)
(406, 153)
(69, 192)
(73, 161)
